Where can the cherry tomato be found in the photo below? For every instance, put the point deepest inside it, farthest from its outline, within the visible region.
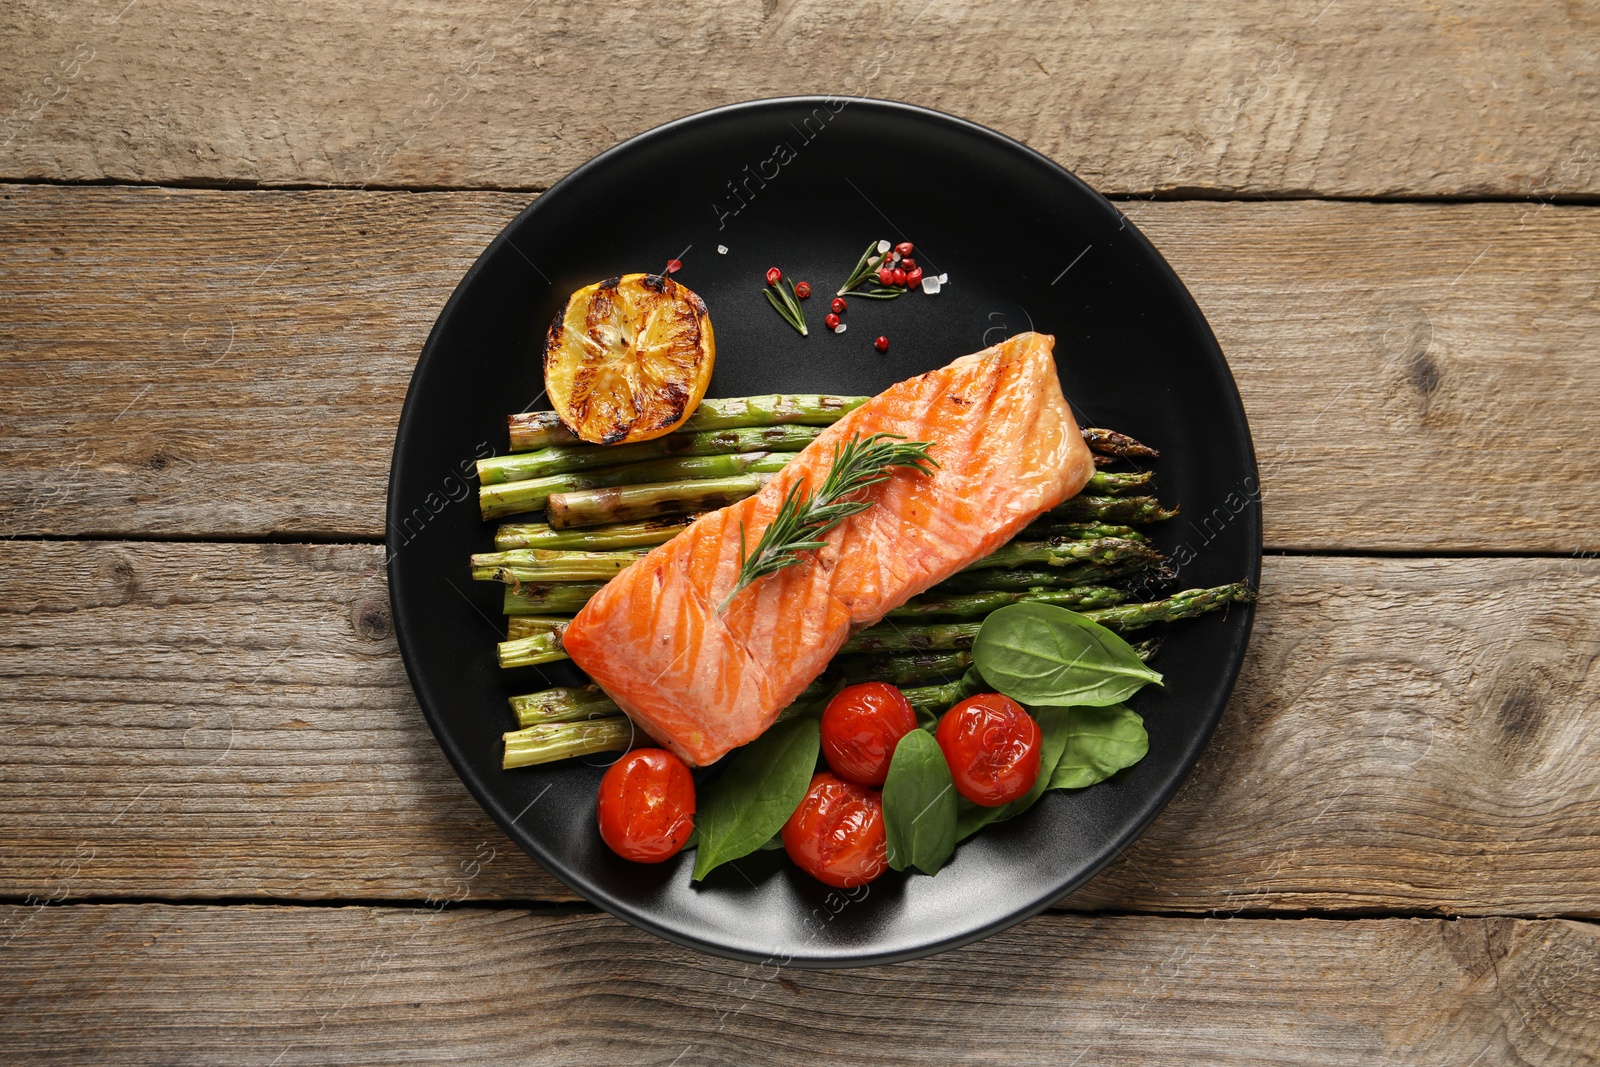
(899, 276)
(838, 305)
(904, 248)
(881, 344)
(908, 265)
(914, 277)
(992, 746)
(886, 275)
(802, 289)
(774, 275)
(860, 728)
(836, 834)
(830, 320)
(647, 805)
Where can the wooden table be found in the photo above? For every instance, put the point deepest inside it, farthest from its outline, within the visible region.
(227, 834)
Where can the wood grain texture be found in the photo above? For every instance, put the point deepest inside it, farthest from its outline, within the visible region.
(135, 402)
(208, 720)
(198, 363)
(1349, 99)
(225, 721)
(1410, 374)
(288, 986)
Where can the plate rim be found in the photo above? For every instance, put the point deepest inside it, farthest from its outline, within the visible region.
(405, 634)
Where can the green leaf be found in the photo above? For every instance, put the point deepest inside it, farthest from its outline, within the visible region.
(972, 684)
(815, 709)
(1046, 656)
(748, 803)
(1054, 726)
(1100, 742)
(919, 805)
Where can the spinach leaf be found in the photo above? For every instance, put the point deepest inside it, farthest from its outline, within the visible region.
(919, 805)
(1053, 724)
(1100, 742)
(971, 685)
(1043, 655)
(748, 803)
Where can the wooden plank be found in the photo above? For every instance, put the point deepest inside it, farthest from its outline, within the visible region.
(233, 364)
(1412, 375)
(210, 720)
(232, 721)
(1346, 99)
(255, 985)
(249, 348)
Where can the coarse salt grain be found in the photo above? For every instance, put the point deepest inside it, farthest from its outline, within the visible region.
(883, 246)
(930, 284)
(722, 250)
(841, 328)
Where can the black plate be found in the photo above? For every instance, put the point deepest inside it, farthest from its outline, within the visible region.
(804, 184)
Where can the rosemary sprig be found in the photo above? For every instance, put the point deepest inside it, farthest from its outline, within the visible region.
(802, 520)
(866, 267)
(787, 303)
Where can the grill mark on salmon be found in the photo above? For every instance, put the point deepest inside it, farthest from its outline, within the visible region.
(703, 683)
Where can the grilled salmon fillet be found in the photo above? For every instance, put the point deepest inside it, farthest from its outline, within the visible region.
(703, 682)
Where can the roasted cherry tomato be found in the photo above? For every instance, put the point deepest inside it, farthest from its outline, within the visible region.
(647, 805)
(836, 834)
(992, 746)
(860, 728)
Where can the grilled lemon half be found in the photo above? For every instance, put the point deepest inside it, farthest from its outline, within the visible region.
(628, 358)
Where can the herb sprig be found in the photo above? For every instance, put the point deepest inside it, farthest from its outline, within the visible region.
(802, 520)
(866, 269)
(786, 302)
